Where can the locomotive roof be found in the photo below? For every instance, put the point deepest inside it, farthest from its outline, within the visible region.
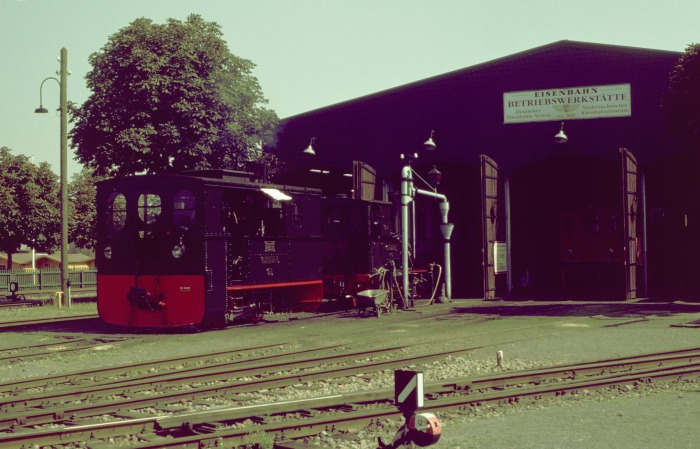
(222, 178)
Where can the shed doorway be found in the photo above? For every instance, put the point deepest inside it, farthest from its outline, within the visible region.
(568, 230)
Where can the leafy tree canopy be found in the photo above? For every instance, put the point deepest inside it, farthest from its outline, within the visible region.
(29, 204)
(81, 197)
(681, 101)
(167, 98)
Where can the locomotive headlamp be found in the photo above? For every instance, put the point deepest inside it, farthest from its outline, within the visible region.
(178, 251)
(108, 252)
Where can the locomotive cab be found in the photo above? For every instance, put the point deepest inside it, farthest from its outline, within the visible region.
(149, 253)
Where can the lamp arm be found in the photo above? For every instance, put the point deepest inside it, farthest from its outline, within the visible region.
(434, 189)
(436, 195)
(41, 87)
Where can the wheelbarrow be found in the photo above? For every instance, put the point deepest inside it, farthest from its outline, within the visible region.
(376, 299)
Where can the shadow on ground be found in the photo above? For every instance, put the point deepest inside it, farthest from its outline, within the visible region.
(637, 309)
(486, 309)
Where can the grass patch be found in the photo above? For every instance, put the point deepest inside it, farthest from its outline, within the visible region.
(47, 311)
(258, 440)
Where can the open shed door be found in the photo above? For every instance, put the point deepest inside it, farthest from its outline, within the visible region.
(364, 179)
(632, 226)
(489, 222)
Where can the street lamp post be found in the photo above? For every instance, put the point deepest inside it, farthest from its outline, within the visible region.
(63, 85)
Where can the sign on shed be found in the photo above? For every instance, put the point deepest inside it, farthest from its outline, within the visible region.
(612, 100)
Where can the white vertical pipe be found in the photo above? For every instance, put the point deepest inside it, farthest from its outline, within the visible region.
(444, 211)
(644, 236)
(413, 229)
(448, 271)
(406, 193)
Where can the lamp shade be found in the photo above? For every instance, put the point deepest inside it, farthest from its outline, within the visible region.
(310, 148)
(429, 145)
(560, 137)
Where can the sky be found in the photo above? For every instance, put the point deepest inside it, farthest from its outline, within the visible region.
(310, 53)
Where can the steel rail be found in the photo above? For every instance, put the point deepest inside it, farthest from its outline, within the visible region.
(131, 387)
(58, 350)
(566, 386)
(45, 414)
(43, 345)
(297, 429)
(89, 375)
(61, 319)
(573, 371)
(24, 438)
(466, 386)
(199, 374)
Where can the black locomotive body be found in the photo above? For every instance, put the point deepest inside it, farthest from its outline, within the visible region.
(203, 248)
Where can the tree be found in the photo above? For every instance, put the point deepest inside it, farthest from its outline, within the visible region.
(81, 197)
(29, 205)
(167, 98)
(681, 101)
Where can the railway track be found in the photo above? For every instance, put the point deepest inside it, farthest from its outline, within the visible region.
(52, 320)
(113, 396)
(169, 426)
(11, 355)
(249, 367)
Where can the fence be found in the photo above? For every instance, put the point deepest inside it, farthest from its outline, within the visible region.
(46, 279)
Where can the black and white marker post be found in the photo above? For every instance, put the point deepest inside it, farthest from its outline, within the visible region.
(423, 429)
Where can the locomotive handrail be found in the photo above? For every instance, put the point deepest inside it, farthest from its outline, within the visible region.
(273, 285)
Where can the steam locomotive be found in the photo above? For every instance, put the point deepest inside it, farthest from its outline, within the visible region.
(206, 248)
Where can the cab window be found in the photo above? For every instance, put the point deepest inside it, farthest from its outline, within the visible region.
(149, 207)
(184, 209)
(116, 211)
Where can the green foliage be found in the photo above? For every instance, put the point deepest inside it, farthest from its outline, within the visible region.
(29, 204)
(681, 101)
(258, 440)
(167, 98)
(81, 197)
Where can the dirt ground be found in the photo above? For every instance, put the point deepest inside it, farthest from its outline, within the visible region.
(529, 334)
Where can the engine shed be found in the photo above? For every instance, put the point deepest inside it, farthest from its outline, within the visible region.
(604, 211)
